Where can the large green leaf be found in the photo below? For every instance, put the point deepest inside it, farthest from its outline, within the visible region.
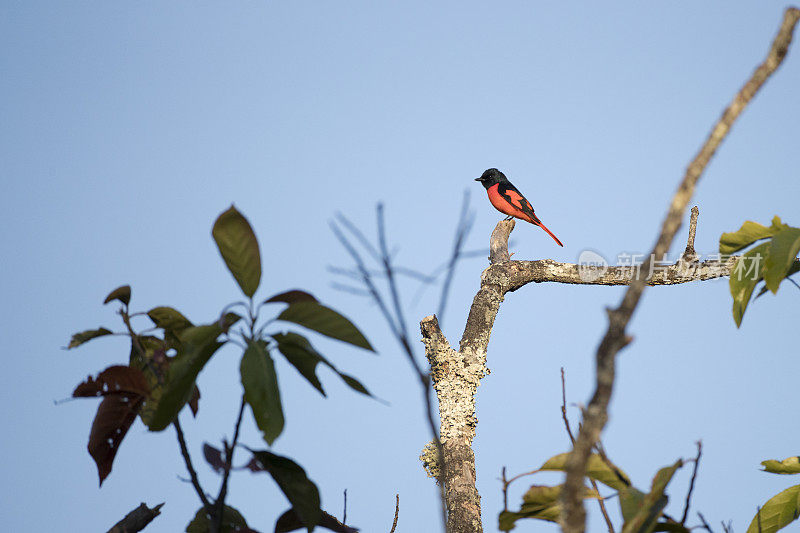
(644, 521)
(232, 521)
(596, 469)
(790, 465)
(541, 502)
(749, 233)
(779, 511)
(782, 253)
(86, 336)
(746, 273)
(197, 345)
(239, 248)
(291, 297)
(321, 319)
(123, 294)
(261, 390)
(294, 483)
(299, 352)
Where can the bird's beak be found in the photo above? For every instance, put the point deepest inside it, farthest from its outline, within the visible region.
(477, 179)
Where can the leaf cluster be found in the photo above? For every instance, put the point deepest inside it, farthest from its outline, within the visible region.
(166, 359)
(769, 262)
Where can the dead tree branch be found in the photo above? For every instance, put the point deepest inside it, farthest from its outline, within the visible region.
(137, 520)
(596, 413)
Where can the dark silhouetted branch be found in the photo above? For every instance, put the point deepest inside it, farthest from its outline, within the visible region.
(137, 520)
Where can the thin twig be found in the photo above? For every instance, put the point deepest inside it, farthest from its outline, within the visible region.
(192, 473)
(691, 483)
(596, 414)
(465, 221)
(223, 490)
(600, 499)
(705, 524)
(366, 278)
(397, 325)
(505, 488)
(389, 272)
(344, 512)
(396, 512)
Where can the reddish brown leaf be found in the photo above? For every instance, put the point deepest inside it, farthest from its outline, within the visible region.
(115, 379)
(194, 402)
(123, 390)
(213, 457)
(291, 297)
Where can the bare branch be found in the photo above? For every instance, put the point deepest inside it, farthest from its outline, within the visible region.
(465, 221)
(223, 490)
(691, 483)
(192, 472)
(137, 520)
(600, 499)
(596, 413)
(396, 322)
(396, 512)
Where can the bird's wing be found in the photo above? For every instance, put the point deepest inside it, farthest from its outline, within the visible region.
(515, 198)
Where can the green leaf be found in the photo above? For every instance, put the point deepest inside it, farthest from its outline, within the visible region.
(779, 511)
(295, 485)
(745, 274)
(782, 253)
(630, 501)
(644, 521)
(123, 294)
(85, 336)
(291, 297)
(749, 233)
(168, 318)
(197, 345)
(261, 390)
(596, 469)
(232, 520)
(790, 465)
(326, 321)
(239, 248)
(541, 502)
(301, 355)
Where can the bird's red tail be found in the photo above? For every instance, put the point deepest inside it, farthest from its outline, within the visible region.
(550, 233)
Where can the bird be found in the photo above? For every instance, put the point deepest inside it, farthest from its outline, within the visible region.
(508, 200)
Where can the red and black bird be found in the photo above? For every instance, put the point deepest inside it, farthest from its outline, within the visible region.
(508, 200)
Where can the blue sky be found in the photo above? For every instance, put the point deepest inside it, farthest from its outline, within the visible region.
(128, 127)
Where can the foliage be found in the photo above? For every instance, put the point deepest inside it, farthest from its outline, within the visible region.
(641, 511)
(770, 262)
(160, 378)
(783, 508)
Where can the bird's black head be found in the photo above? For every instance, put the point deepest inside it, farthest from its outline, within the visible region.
(491, 177)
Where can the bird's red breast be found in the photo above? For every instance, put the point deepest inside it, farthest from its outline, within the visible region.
(513, 205)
